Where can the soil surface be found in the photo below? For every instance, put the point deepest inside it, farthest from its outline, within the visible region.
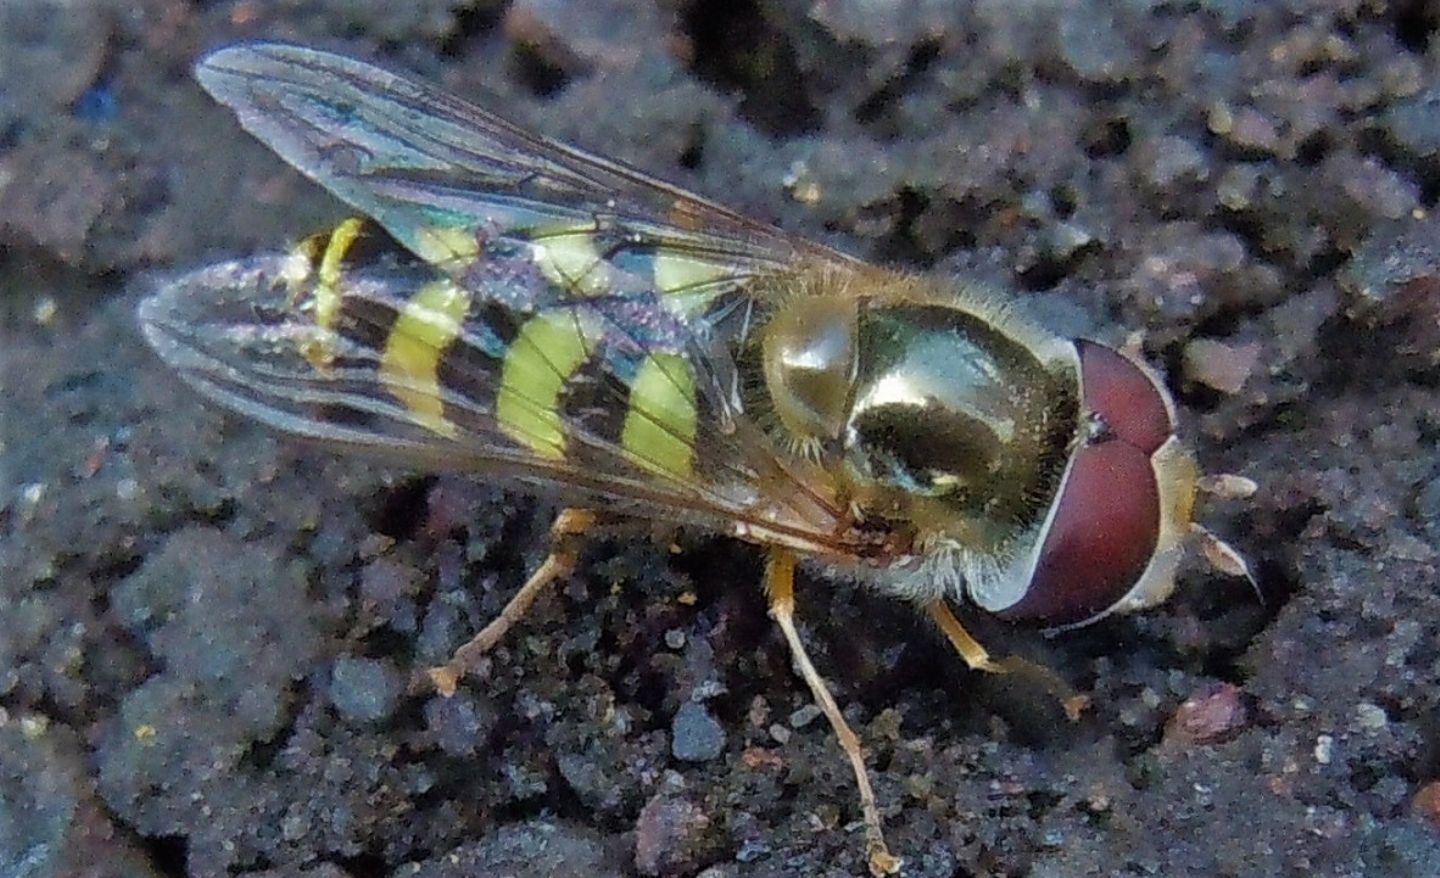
(206, 631)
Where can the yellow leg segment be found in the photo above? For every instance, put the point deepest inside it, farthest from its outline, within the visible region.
(564, 552)
(780, 587)
(978, 659)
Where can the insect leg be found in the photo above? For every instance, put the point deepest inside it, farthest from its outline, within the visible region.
(780, 587)
(564, 553)
(978, 659)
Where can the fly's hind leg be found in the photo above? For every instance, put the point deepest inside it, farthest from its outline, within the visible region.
(564, 554)
(780, 587)
(978, 659)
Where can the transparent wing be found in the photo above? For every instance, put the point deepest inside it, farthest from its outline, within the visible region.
(427, 392)
(440, 174)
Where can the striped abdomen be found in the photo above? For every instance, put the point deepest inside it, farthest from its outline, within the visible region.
(502, 351)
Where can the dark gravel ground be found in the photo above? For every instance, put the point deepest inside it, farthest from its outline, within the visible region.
(205, 631)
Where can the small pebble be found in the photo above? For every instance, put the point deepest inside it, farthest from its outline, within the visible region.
(293, 827)
(1093, 45)
(1426, 804)
(1206, 717)
(1414, 124)
(1253, 131)
(45, 310)
(695, 735)
(460, 724)
(365, 690)
(1170, 161)
(671, 836)
(1215, 364)
(804, 716)
(1371, 717)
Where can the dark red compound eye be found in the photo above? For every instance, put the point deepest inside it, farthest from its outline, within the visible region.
(1105, 521)
(1124, 396)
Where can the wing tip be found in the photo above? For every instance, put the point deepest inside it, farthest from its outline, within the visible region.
(218, 71)
(227, 291)
(221, 70)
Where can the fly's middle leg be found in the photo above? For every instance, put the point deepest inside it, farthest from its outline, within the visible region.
(565, 542)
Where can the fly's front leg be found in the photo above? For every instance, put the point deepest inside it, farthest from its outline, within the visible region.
(569, 526)
(780, 588)
(978, 659)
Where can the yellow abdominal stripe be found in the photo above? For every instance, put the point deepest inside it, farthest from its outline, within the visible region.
(659, 427)
(327, 293)
(312, 268)
(565, 254)
(658, 432)
(549, 348)
(678, 275)
(447, 247)
(660, 424)
(569, 258)
(430, 321)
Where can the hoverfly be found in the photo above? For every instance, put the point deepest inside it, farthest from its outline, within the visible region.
(554, 319)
